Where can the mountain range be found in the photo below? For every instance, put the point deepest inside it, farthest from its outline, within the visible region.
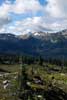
(43, 44)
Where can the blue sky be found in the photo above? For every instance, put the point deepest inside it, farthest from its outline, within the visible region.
(28, 14)
(12, 1)
(24, 15)
(21, 16)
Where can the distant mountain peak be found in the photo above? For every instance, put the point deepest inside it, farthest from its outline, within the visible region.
(36, 43)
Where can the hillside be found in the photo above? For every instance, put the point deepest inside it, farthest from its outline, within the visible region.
(45, 44)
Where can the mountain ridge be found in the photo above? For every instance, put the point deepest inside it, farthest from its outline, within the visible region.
(47, 45)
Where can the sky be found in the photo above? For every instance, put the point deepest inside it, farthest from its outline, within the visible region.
(22, 16)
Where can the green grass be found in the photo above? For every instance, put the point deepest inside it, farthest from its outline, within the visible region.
(60, 79)
(5, 94)
(10, 68)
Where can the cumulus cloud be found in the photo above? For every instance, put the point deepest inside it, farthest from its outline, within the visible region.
(35, 24)
(23, 6)
(4, 15)
(57, 8)
(54, 8)
(20, 7)
(4, 10)
(4, 21)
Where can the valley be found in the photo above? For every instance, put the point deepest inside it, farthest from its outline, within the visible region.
(33, 49)
(33, 66)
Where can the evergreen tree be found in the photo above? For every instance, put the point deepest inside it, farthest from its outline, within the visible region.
(40, 61)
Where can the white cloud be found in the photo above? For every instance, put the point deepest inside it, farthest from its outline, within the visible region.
(22, 6)
(18, 7)
(4, 10)
(4, 15)
(57, 8)
(2, 30)
(35, 24)
(54, 9)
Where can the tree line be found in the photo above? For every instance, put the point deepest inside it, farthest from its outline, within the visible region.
(15, 59)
